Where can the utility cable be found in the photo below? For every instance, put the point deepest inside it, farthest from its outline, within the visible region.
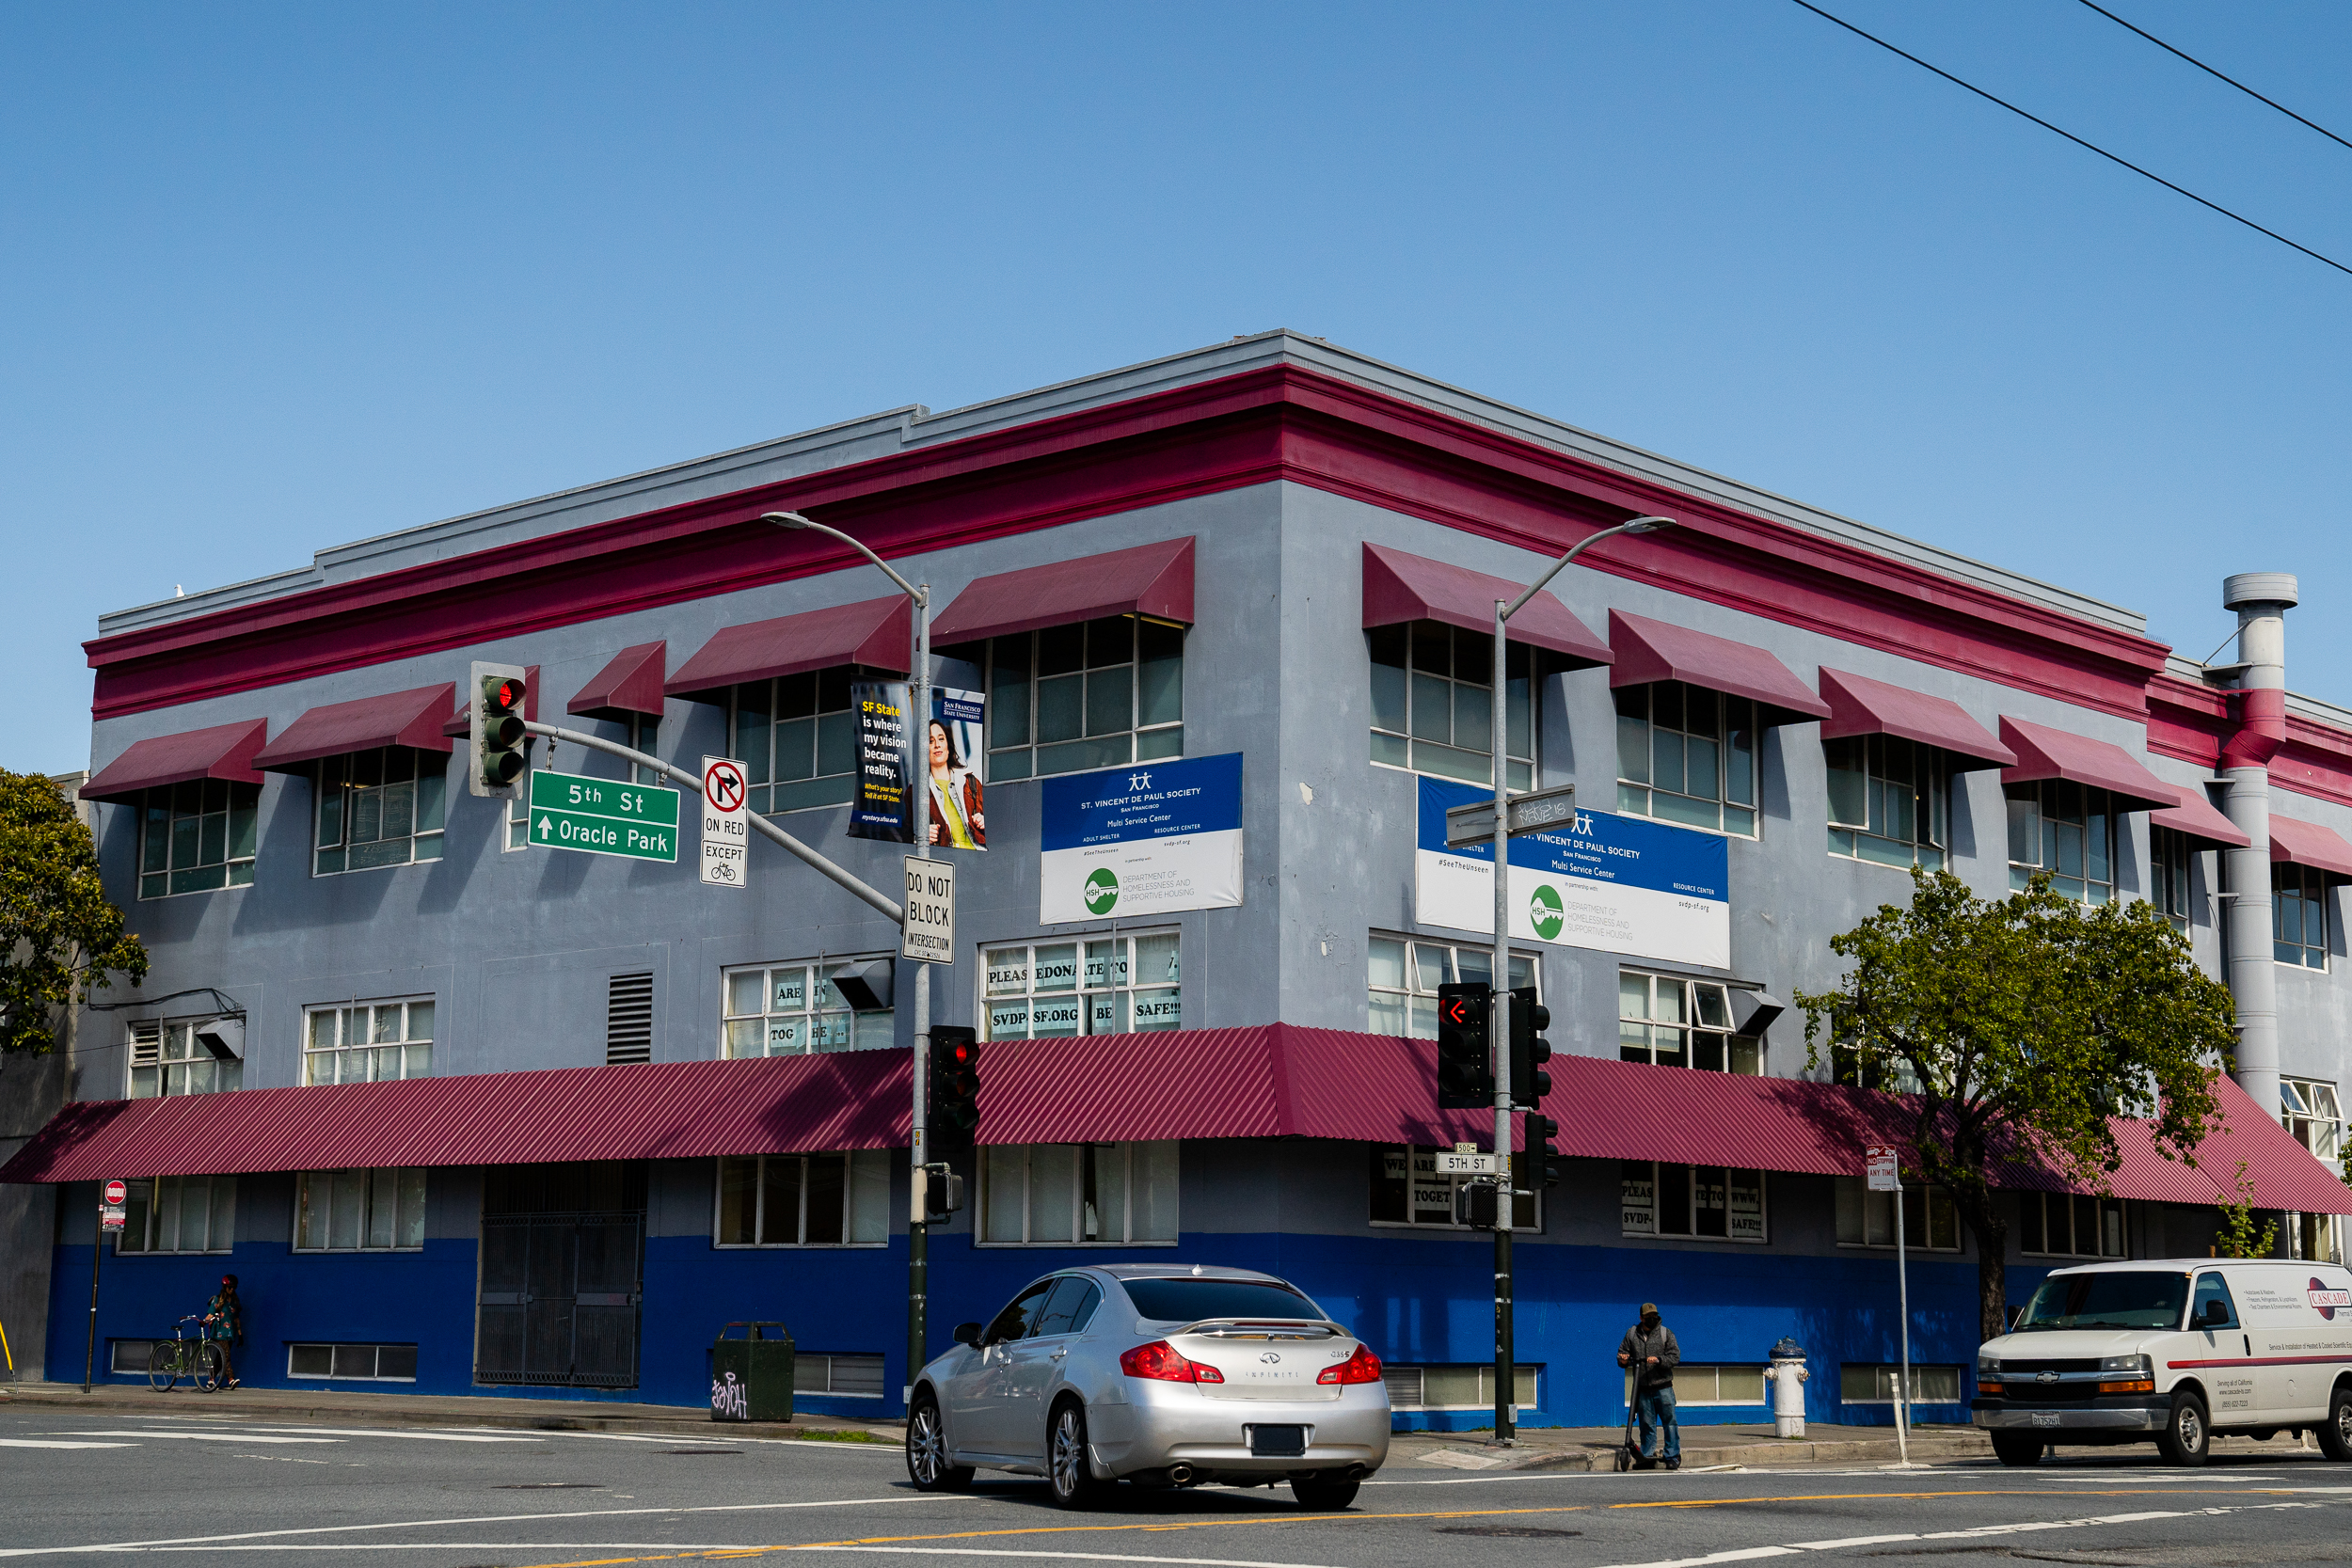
(2217, 75)
(2069, 135)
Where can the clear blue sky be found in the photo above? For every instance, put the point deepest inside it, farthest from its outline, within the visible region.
(281, 277)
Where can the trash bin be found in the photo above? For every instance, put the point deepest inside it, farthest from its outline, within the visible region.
(1786, 1374)
(750, 1378)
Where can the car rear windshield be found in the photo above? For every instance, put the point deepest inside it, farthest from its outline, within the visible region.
(1188, 1299)
(2106, 1301)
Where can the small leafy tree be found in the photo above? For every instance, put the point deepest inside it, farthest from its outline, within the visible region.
(2022, 1024)
(60, 939)
(2236, 1237)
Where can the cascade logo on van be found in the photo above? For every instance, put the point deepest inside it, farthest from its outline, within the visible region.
(2326, 1301)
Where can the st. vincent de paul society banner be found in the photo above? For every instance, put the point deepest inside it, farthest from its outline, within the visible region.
(1146, 840)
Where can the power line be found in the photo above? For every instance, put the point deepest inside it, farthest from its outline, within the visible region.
(2069, 135)
(2210, 71)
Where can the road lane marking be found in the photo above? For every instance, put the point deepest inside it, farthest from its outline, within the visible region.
(215, 1436)
(1740, 1554)
(387, 1431)
(39, 1443)
(1075, 1557)
(1851, 1541)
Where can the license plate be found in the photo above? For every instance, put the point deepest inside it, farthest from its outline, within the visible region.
(2041, 1419)
(1278, 1440)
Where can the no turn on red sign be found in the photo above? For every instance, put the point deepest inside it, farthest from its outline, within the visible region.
(726, 824)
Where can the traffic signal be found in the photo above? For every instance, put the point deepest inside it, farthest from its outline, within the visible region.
(1530, 1051)
(1465, 1074)
(943, 1191)
(497, 727)
(1538, 1161)
(953, 1100)
(1476, 1204)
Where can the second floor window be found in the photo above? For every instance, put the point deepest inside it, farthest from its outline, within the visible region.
(1098, 694)
(359, 1211)
(1670, 1022)
(179, 1214)
(1887, 799)
(197, 836)
(2057, 1224)
(2066, 829)
(378, 808)
(793, 1010)
(1113, 984)
(1404, 976)
(796, 737)
(1103, 1195)
(1407, 1189)
(368, 1043)
(1866, 1218)
(1686, 755)
(805, 1200)
(1433, 703)
(2299, 916)
(2168, 852)
(1698, 1202)
(166, 1058)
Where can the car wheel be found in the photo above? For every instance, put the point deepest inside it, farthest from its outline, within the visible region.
(2335, 1432)
(1068, 1471)
(2185, 1439)
(927, 1450)
(1323, 1494)
(2012, 1448)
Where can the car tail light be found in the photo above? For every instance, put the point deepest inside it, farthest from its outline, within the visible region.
(1362, 1367)
(1162, 1360)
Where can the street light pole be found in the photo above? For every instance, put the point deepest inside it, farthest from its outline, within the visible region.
(1499, 1013)
(918, 1223)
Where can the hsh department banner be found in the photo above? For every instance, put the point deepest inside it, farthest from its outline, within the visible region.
(1620, 884)
(1150, 839)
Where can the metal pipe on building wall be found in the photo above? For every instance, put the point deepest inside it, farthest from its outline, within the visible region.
(2262, 600)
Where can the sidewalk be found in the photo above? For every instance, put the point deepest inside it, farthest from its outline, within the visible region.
(1596, 1448)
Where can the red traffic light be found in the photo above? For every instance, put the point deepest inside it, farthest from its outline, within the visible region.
(503, 695)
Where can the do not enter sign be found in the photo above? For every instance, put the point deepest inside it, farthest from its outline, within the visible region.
(117, 1194)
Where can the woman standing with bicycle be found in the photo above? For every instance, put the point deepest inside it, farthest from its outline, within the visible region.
(224, 1326)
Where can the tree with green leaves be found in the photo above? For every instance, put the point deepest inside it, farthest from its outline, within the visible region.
(60, 938)
(2022, 1025)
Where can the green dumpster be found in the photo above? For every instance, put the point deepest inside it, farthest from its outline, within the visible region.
(750, 1377)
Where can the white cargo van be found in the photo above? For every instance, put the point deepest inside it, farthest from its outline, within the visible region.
(2174, 1351)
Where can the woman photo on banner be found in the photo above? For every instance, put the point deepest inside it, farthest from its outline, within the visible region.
(959, 817)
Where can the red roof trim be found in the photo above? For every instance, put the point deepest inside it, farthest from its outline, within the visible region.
(1147, 579)
(413, 718)
(2196, 817)
(222, 751)
(2044, 752)
(2309, 844)
(1651, 650)
(1400, 586)
(629, 683)
(877, 632)
(1859, 705)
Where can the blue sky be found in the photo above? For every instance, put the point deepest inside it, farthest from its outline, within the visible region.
(283, 277)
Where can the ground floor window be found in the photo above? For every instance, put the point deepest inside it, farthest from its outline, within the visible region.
(1865, 1218)
(1702, 1383)
(130, 1358)
(1703, 1202)
(792, 1009)
(2059, 1225)
(1671, 1022)
(1860, 1383)
(167, 1059)
(855, 1377)
(1461, 1385)
(805, 1200)
(1403, 977)
(1106, 986)
(359, 1363)
(179, 1214)
(1108, 1194)
(1407, 1189)
(368, 1043)
(358, 1210)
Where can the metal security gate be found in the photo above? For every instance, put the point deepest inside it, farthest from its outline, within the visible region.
(561, 1289)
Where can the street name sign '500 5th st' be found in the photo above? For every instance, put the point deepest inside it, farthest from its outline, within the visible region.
(603, 816)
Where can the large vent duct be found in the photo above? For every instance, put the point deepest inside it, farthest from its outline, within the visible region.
(2262, 600)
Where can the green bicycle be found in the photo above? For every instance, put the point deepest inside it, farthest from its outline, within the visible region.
(198, 1360)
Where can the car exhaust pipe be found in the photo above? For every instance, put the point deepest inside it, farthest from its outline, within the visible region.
(1180, 1475)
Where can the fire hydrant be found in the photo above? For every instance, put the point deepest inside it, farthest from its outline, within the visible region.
(1786, 1374)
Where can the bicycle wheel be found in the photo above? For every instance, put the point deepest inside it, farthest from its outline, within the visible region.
(163, 1364)
(212, 1367)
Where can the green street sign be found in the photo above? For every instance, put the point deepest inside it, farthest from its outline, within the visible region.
(603, 816)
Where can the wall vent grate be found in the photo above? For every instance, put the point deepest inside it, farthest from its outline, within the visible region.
(629, 1018)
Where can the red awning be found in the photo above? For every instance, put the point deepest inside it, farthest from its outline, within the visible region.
(1859, 705)
(2309, 844)
(2044, 752)
(2194, 817)
(1400, 586)
(631, 683)
(1149, 579)
(660, 1111)
(223, 752)
(1651, 650)
(876, 632)
(412, 717)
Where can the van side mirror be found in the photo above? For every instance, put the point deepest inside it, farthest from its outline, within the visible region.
(2216, 1315)
(967, 1333)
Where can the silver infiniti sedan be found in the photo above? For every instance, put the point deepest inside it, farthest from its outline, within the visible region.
(1161, 1375)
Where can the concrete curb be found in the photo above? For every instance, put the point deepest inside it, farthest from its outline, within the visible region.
(1587, 1457)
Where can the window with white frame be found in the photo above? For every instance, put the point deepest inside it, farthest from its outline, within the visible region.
(796, 1010)
(1863, 1383)
(1671, 1022)
(1865, 1218)
(1079, 1194)
(1407, 1189)
(197, 836)
(2067, 830)
(1459, 1385)
(359, 1211)
(2169, 855)
(353, 1363)
(1709, 1382)
(1403, 974)
(804, 1199)
(1099, 693)
(1433, 703)
(1697, 1202)
(2310, 1109)
(1112, 985)
(1687, 755)
(2061, 1225)
(2299, 916)
(378, 808)
(1888, 800)
(179, 1214)
(361, 1042)
(797, 737)
(166, 1059)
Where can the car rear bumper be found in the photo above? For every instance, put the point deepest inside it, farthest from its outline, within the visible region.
(1213, 1435)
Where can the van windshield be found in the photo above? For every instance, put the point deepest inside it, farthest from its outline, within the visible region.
(2106, 1301)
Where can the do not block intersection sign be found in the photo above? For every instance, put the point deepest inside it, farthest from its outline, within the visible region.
(930, 933)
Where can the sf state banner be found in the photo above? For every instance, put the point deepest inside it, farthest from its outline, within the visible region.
(1621, 884)
(882, 806)
(1145, 840)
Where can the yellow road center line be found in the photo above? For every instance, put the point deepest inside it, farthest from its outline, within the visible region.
(1988, 1491)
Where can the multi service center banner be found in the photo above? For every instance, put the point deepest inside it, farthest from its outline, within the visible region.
(1621, 884)
(1145, 840)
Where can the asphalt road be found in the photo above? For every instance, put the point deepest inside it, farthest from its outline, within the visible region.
(254, 1492)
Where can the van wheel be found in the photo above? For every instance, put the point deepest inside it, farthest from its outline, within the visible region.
(2186, 1438)
(2014, 1448)
(2335, 1432)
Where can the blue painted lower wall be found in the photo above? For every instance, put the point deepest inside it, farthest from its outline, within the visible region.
(1415, 1301)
